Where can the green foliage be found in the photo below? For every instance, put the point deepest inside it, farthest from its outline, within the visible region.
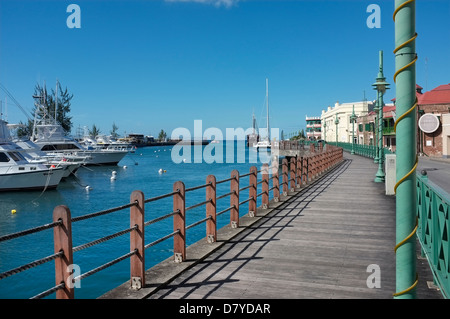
(42, 97)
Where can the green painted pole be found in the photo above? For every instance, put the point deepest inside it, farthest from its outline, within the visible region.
(337, 123)
(353, 119)
(381, 86)
(406, 134)
(375, 132)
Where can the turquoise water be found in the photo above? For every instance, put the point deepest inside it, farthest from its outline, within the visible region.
(141, 173)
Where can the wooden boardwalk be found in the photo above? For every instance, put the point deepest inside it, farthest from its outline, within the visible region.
(318, 243)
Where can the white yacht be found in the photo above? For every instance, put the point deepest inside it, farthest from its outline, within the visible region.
(104, 142)
(262, 144)
(69, 163)
(17, 173)
(50, 138)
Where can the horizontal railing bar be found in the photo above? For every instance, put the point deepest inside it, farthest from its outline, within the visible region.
(48, 292)
(197, 205)
(261, 194)
(30, 265)
(245, 201)
(161, 239)
(225, 195)
(246, 187)
(30, 231)
(106, 238)
(272, 188)
(225, 180)
(160, 197)
(197, 187)
(161, 218)
(260, 182)
(245, 175)
(104, 266)
(225, 210)
(103, 212)
(198, 222)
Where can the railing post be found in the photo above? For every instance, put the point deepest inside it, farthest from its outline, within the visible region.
(305, 170)
(179, 222)
(285, 176)
(310, 168)
(211, 209)
(265, 186)
(253, 180)
(276, 180)
(137, 261)
(234, 199)
(62, 236)
(299, 171)
(292, 171)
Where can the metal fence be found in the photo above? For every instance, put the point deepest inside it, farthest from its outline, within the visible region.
(433, 230)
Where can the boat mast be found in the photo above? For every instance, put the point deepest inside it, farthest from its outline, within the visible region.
(267, 101)
(56, 100)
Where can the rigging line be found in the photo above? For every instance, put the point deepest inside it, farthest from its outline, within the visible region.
(15, 101)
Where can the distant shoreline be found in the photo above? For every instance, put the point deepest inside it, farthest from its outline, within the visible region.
(171, 142)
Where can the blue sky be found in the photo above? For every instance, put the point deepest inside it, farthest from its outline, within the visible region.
(159, 64)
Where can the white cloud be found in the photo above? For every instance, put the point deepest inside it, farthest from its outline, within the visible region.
(217, 3)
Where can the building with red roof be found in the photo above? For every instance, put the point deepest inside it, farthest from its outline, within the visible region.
(434, 122)
(433, 134)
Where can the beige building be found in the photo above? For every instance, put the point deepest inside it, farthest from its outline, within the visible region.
(343, 113)
(446, 135)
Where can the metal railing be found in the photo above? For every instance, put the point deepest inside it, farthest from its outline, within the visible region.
(433, 230)
(361, 149)
(297, 173)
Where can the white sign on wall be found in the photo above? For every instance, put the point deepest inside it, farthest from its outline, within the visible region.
(428, 123)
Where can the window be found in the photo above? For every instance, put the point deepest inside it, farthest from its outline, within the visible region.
(4, 158)
(16, 156)
(59, 147)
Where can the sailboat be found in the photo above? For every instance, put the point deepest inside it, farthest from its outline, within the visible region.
(266, 142)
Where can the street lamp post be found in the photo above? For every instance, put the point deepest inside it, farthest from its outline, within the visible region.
(337, 123)
(353, 120)
(381, 86)
(375, 132)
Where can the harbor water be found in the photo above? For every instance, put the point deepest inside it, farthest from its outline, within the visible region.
(136, 171)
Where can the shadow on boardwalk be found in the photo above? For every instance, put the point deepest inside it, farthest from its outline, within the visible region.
(317, 244)
(236, 270)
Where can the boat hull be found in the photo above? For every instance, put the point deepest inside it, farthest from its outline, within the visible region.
(25, 181)
(105, 157)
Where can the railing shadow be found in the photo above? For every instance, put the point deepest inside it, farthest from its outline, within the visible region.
(233, 257)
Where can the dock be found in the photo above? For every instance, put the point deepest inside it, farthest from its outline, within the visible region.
(325, 241)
